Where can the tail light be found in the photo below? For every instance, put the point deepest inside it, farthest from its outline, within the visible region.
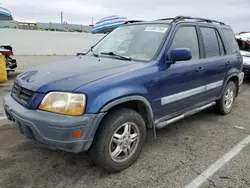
(248, 41)
(7, 53)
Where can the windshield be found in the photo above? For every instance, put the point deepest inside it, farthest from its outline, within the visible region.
(136, 42)
(243, 45)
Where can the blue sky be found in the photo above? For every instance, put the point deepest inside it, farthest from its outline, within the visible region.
(233, 12)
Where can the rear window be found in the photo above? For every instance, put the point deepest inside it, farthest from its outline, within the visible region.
(231, 41)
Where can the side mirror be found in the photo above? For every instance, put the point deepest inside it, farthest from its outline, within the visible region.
(179, 54)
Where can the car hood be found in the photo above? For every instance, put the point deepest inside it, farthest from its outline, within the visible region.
(70, 74)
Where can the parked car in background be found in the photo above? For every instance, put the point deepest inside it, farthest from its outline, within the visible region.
(141, 75)
(243, 40)
(7, 51)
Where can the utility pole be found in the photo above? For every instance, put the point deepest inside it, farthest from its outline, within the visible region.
(61, 17)
(92, 21)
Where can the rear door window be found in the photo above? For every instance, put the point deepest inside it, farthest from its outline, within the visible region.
(211, 42)
(231, 41)
(186, 37)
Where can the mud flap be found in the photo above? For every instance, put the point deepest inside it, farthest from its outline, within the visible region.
(3, 72)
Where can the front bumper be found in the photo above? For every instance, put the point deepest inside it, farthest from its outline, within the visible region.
(51, 129)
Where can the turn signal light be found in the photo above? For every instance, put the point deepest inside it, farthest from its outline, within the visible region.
(77, 134)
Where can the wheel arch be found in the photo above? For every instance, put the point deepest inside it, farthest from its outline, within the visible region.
(136, 102)
(235, 78)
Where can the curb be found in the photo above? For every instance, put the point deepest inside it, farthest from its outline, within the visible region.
(3, 118)
(6, 85)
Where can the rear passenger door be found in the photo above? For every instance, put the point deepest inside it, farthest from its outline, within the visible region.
(214, 62)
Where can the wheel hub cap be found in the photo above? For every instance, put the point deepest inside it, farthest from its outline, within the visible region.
(124, 142)
(229, 98)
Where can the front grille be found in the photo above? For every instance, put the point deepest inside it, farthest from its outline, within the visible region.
(21, 94)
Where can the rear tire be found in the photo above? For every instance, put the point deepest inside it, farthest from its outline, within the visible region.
(119, 140)
(225, 103)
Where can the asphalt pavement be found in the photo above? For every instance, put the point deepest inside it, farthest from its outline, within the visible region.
(204, 147)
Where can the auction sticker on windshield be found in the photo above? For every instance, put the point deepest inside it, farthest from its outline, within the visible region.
(156, 29)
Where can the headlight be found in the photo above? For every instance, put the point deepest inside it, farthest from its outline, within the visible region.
(64, 103)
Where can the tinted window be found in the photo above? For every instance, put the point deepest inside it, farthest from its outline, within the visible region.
(210, 42)
(222, 49)
(186, 37)
(232, 44)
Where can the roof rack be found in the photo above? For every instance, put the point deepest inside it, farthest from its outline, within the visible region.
(179, 18)
(166, 19)
(133, 21)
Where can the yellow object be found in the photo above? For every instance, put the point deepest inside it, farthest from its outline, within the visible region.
(64, 103)
(3, 72)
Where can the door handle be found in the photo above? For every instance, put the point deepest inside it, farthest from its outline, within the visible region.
(199, 69)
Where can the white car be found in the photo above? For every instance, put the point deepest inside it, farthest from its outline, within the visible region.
(243, 40)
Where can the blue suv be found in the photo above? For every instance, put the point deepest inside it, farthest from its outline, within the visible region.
(141, 75)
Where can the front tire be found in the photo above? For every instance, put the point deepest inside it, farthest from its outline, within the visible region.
(225, 103)
(119, 140)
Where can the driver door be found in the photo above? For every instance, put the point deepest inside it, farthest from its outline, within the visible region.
(181, 85)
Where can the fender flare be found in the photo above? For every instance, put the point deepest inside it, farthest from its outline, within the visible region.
(131, 98)
(232, 75)
(226, 81)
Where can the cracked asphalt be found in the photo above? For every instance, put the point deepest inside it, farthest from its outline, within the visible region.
(181, 152)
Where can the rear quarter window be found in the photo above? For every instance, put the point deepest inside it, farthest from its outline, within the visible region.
(231, 42)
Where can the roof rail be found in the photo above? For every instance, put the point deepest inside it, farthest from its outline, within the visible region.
(133, 21)
(197, 18)
(166, 19)
(179, 18)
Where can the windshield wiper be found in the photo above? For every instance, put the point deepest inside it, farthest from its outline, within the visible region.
(116, 55)
(94, 53)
